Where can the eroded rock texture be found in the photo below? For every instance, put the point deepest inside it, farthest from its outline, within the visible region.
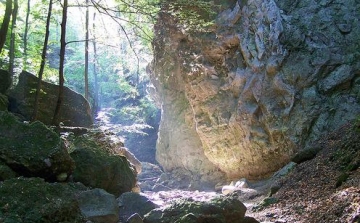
(271, 77)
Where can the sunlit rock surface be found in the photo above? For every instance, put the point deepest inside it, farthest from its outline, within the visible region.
(219, 209)
(75, 110)
(271, 77)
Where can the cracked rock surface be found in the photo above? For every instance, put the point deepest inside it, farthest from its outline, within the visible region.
(272, 76)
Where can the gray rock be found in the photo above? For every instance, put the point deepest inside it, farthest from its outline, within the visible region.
(306, 154)
(99, 166)
(135, 218)
(222, 209)
(278, 176)
(284, 171)
(75, 110)
(288, 72)
(33, 149)
(133, 203)
(98, 206)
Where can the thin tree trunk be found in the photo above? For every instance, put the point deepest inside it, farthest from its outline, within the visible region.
(26, 34)
(42, 65)
(5, 25)
(56, 118)
(96, 84)
(87, 51)
(12, 39)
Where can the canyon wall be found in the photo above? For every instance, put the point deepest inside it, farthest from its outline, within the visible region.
(240, 98)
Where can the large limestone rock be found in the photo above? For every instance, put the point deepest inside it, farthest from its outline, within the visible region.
(75, 110)
(33, 150)
(268, 79)
(98, 165)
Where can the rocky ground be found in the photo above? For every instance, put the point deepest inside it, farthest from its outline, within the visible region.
(323, 189)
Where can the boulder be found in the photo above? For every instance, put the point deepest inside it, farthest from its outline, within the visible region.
(98, 166)
(134, 203)
(75, 110)
(34, 200)
(223, 209)
(98, 206)
(5, 81)
(135, 218)
(4, 102)
(33, 149)
(242, 101)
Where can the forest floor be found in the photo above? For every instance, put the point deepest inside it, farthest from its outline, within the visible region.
(323, 189)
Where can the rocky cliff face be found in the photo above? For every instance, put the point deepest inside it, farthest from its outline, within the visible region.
(271, 77)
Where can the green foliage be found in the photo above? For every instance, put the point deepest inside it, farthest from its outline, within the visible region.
(140, 15)
(196, 15)
(123, 34)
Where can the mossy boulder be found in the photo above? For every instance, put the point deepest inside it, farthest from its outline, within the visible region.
(34, 200)
(223, 209)
(33, 150)
(5, 81)
(98, 167)
(4, 102)
(75, 110)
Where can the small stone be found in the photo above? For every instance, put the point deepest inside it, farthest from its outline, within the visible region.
(344, 28)
(242, 183)
(61, 177)
(228, 189)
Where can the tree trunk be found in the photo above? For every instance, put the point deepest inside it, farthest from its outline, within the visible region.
(42, 65)
(87, 51)
(12, 39)
(5, 25)
(56, 117)
(25, 38)
(96, 84)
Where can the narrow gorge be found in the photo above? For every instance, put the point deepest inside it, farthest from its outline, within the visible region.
(180, 111)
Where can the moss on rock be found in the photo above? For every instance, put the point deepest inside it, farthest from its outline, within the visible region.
(34, 200)
(220, 210)
(32, 149)
(4, 102)
(97, 167)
